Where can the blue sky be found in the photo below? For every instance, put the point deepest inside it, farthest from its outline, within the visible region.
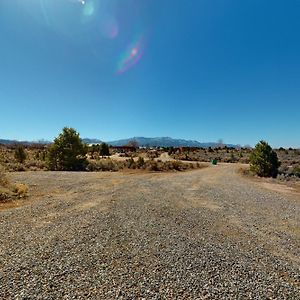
(198, 69)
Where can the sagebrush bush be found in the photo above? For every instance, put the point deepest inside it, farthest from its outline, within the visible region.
(105, 165)
(3, 179)
(20, 154)
(10, 191)
(296, 171)
(140, 162)
(20, 190)
(130, 163)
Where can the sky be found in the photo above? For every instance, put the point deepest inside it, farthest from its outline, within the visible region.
(201, 69)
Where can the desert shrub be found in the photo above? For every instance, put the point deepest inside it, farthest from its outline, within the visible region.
(104, 149)
(171, 150)
(244, 160)
(15, 167)
(9, 191)
(4, 194)
(152, 154)
(176, 165)
(233, 159)
(152, 165)
(130, 163)
(296, 171)
(20, 190)
(105, 165)
(140, 162)
(35, 165)
(244, 171)
(20, 154)
(264, 161)
(3, 179)
(41, 155)
(68, 152)
(159, 166)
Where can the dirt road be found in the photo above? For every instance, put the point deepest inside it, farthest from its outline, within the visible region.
(205, 234)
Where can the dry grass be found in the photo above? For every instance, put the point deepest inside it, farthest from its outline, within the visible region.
(140, 164)
(20, 190)
(244, 171)
(36, 156)
(9, 191)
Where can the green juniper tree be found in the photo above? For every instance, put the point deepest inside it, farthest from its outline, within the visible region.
(68, 152)
(104, 149)
(264, 161)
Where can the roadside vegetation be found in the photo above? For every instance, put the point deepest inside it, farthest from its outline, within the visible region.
(141, 164)
(69, 153)
(264, 161)
(9, 191)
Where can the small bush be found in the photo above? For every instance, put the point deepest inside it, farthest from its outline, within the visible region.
(9, 191)
(130, 163)
(35, 165)
(3, 180)
(152, 165)
(105, 165)
(20, 190)
(244, 171)
(296, 171)
(20, 154)
(140, 162)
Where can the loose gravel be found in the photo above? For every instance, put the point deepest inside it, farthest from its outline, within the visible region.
(205, 234)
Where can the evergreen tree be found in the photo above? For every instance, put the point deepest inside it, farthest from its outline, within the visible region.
(104, 149)
(68, 152)
(264, 161)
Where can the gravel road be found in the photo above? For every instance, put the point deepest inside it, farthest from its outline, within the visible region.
(204, 234)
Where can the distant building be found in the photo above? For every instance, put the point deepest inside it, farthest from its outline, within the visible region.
(183, 149)
(123, 149)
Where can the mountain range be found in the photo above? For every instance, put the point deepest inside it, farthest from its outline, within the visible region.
(142, 142)
(164, 142)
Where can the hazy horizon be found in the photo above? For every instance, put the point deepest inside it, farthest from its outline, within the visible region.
(111, 69)
(220, 141)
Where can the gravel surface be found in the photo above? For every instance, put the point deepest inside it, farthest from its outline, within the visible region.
(205, 234)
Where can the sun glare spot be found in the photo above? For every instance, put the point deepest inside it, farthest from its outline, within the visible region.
(89, 8)
(132, 55)
(134, 52)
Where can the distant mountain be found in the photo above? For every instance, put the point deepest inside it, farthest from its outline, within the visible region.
(142, 141)
(6, 142)
(91, 141)
(12, 142)
(164, 142)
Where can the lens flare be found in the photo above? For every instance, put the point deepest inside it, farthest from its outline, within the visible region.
(131, 56)
(75, 19)
(109, 27)
(89, 8)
